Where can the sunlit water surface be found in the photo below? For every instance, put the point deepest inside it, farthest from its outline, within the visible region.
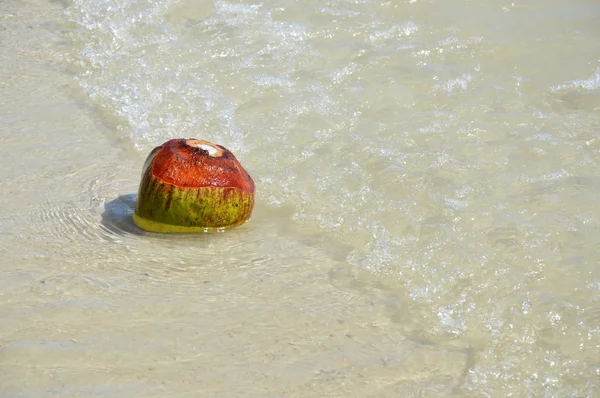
(427, 216)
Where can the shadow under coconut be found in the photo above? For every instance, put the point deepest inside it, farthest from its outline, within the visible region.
(117, 216)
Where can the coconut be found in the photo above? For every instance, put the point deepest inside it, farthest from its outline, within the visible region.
(191, 185)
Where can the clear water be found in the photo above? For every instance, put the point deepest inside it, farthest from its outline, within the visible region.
(426, 223)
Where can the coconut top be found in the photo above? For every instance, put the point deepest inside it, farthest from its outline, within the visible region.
(196, 163)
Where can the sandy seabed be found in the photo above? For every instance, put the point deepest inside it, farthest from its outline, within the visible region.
(90, 306)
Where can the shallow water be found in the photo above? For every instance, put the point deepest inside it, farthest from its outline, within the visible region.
(425, 225)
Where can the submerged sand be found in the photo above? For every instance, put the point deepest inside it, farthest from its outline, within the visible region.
(90, 306)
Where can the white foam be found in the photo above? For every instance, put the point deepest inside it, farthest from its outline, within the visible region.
(590, 84)
(458, 84)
